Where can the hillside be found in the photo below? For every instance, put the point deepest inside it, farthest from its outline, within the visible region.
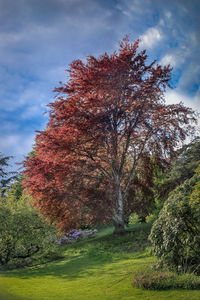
(98, 268)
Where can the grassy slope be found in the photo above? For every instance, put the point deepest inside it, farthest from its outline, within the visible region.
(98, 268)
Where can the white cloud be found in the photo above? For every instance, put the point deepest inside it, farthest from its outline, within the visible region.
(176, 57)
(16, 145)
(174, 96)
(151, 37)
(168, 59)
(136, 7)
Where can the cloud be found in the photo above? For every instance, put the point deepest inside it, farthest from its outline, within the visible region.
(151, 37)
(135, 9)
(39, 39)
(168, 59)
(16, 145)
(174, 97)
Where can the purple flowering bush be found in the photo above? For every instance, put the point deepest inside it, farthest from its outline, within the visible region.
(75, 235)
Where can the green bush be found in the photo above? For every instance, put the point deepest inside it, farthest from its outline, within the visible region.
(162, 280)
(23, 233)
(133, 219)
(175, 235)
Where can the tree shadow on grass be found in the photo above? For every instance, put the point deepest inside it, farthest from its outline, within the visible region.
(7, 296)
(76, 267)
(72, 269)
(97, 253)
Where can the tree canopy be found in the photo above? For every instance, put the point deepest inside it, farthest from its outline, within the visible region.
(106, 118)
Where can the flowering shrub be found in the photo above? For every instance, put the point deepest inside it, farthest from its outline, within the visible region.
(162, 280)
(75, 235)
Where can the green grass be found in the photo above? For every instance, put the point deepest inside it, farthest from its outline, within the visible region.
(98, 268)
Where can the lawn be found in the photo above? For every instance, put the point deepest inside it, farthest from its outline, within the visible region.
(98, 268)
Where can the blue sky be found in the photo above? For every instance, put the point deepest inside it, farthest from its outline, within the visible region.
(40, 38)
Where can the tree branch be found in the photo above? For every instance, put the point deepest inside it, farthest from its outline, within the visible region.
(132, 173)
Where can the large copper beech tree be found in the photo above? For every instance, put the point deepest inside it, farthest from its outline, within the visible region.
(106, 118)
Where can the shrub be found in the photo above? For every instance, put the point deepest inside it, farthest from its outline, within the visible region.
(175, 235)
(161, 280)
(133, 219)
(154, 280)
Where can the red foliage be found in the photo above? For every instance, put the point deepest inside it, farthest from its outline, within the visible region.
(104, 119)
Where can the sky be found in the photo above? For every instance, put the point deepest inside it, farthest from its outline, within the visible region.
(40, 38)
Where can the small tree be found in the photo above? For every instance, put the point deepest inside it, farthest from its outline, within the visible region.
(23, 233)
(105, 118)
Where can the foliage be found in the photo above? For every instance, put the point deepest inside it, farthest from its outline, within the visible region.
(188, 159)
(141, 196)
(195, 196)
(175, 235)
(162, 280)
(133, 219)
(183, 167)
(105, 119)
(23, 233)
(168, 177)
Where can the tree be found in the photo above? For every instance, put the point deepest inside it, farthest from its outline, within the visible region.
(6, 177)
(175, 235)
(195, 196)
(182, 167)
(141, 197)
(23, 233)
(108, 115)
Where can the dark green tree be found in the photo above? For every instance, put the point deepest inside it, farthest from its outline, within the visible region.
(183, 167)
(6, 177)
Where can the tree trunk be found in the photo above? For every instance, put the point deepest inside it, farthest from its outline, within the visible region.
(119, 228)
(118, 216)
